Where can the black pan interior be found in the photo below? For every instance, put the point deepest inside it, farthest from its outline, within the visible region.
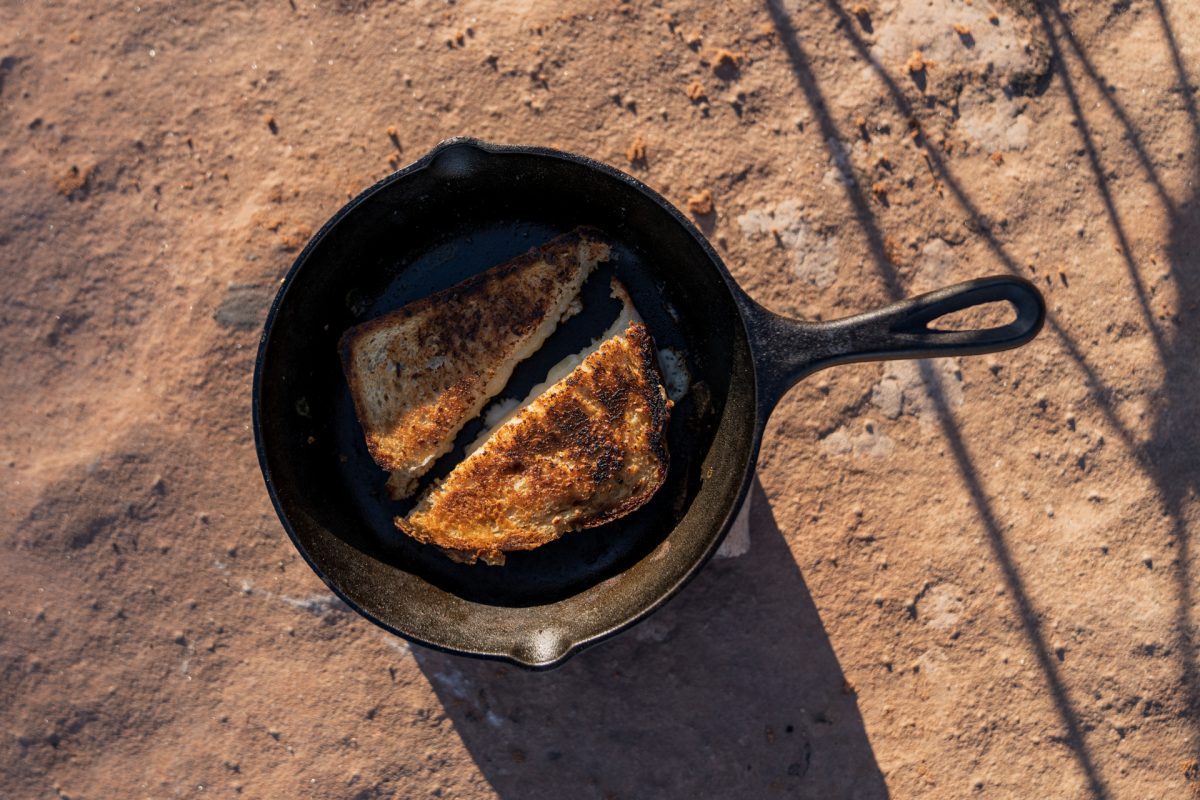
(462, 210)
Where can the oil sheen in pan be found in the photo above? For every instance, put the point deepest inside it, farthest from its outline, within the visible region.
(606, 550)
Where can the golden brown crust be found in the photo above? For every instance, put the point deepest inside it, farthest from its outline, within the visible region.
(590, 450)
(419, 373)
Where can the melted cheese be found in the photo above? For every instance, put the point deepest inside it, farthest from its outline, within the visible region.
(675, 373)
(496, 418)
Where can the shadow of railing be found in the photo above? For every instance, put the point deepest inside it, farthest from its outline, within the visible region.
(806, 78)
(1175, 439)
(1130, 132)
(1168, 457)
(1093, 157)
(731, 690)
(1097, 389)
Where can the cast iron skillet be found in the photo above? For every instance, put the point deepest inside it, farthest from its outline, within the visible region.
(462, 208)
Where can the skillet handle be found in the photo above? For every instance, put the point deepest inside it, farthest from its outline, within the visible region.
(790, 350)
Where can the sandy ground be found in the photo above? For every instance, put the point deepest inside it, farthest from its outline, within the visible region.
(964, 577)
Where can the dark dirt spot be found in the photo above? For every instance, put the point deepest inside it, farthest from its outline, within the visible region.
(90, 532)
(7, 65)
(244, 307)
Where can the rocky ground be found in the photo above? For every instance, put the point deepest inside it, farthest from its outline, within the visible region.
(962, 577)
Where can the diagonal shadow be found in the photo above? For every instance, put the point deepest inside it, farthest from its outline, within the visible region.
(1174, 441)
(1182, 77)
(1174, 428)
(1099, 391)
(1159, 457)
(1131, 133)
(1031, 626)
(1170, 454)
(1093, 157)
(731, 690)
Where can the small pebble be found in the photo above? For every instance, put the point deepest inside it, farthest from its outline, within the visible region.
(701, 204)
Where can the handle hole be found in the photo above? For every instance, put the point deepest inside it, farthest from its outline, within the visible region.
(987, 316)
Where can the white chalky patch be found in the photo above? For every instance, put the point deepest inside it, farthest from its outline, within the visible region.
(870, 441)
(814, 255)
(902, 389)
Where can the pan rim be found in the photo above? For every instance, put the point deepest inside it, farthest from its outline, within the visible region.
(571, 644)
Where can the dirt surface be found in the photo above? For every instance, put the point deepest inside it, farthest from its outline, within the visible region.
(963, 577)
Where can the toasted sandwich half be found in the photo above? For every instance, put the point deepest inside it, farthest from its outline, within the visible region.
(588, 449)
(418, 374)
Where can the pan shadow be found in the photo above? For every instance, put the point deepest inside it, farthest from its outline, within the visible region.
(731, 690)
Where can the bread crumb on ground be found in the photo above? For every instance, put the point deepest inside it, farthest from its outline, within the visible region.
(73, 179)
(636, 152)
(726, 63)
(701, 203)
